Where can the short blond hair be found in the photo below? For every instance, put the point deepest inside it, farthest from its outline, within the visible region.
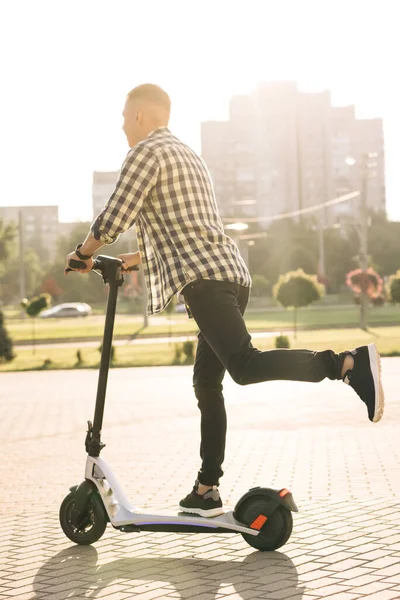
(151, 93)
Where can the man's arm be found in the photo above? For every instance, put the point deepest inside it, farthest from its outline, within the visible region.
(137, 178)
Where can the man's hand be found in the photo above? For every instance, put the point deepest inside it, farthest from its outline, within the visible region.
(129, 260)
(88, 263)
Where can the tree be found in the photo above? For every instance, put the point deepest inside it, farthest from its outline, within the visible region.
(7, 235)
(260, 286)
(393, 288)
(369, 283)
(288, 245)
(33, 272)
(296, 289)
(6, 346)
(384, 244)
(34, 307)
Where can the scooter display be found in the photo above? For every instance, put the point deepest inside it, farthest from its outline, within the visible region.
(263, 516)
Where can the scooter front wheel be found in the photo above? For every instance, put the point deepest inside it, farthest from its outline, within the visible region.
(276, 531)
(90, 526)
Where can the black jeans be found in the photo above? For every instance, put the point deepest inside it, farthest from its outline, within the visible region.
(225, 344)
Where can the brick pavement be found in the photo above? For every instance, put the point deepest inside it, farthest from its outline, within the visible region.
(313, 438)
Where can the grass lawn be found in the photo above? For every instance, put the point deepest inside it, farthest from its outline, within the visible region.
(134, 355)
(127, 325)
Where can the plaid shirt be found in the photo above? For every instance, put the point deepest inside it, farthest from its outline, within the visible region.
(166, 189)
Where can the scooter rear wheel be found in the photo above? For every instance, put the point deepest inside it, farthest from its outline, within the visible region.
(276, 531)
(91, 526)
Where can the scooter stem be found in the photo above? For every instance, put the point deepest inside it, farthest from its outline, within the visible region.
(94, 444)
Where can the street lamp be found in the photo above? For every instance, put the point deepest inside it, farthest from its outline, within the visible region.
(362, 225)
(236, 228)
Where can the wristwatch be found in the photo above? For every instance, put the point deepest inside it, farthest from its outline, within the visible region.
(80, 255)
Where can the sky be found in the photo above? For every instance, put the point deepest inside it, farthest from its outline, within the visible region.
(66, 67)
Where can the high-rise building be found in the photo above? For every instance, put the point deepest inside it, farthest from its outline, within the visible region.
(282, 150)
(368, 139)
(276, 148)
(352, 140)
(102, 187)
(314, 134)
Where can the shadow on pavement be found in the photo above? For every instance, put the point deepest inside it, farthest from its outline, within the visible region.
(76, 570)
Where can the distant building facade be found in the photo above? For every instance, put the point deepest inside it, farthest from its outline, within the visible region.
(39, 225)
(103, 185)
(283, 150)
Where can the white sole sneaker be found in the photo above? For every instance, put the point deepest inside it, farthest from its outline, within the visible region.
(376, 370)
(213, 512)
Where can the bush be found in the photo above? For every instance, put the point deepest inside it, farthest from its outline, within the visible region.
(260, 286)
(393, 288)
(379, 301)
(178, 353)
(46, 364)
(112, 353)
(6, 345)
(35, 306)
(296, 289)
(188, 350)
(368, 282)
(282, 341)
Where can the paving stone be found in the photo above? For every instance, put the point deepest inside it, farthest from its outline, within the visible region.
(344, 473)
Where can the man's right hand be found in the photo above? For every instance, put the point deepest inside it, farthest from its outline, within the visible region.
(88, 263)
(130, 260)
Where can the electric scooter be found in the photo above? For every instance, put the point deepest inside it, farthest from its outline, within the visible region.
(263, 516)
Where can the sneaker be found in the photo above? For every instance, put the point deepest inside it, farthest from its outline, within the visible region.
(365, 379)
(205, 505)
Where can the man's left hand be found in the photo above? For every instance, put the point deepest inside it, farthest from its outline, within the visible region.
(73, 256)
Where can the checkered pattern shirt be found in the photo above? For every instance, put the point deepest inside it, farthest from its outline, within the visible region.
(166, 190)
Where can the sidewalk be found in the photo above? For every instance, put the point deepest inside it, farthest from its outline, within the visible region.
(315, 439)
(143, 340)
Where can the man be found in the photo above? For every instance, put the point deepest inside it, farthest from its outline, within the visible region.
(166, 189)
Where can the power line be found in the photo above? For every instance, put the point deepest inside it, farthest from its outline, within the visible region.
(295, 213)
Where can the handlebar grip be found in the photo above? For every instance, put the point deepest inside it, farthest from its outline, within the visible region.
(97, 266)
(75, 264)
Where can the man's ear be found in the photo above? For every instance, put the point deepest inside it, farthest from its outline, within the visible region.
(139, 117)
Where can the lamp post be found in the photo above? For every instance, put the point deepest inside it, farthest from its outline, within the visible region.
(362, 228)
(236, 228)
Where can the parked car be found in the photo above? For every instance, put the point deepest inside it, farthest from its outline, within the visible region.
(67, 309)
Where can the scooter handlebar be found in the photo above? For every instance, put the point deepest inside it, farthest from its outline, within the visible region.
(97, 266)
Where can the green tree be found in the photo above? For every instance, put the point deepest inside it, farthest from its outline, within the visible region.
(384, 244)
(288, 245)
(6, 346)
(393, 288)
(296, 289)
(7, 236)
(33, 272)
(260, 286)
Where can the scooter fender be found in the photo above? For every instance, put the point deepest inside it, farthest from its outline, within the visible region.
(82, 493)
(275, 498)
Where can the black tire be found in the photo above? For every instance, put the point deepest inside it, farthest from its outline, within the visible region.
(92, 525)
(276, 531)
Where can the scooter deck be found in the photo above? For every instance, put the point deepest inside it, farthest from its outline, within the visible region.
(168, 520)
